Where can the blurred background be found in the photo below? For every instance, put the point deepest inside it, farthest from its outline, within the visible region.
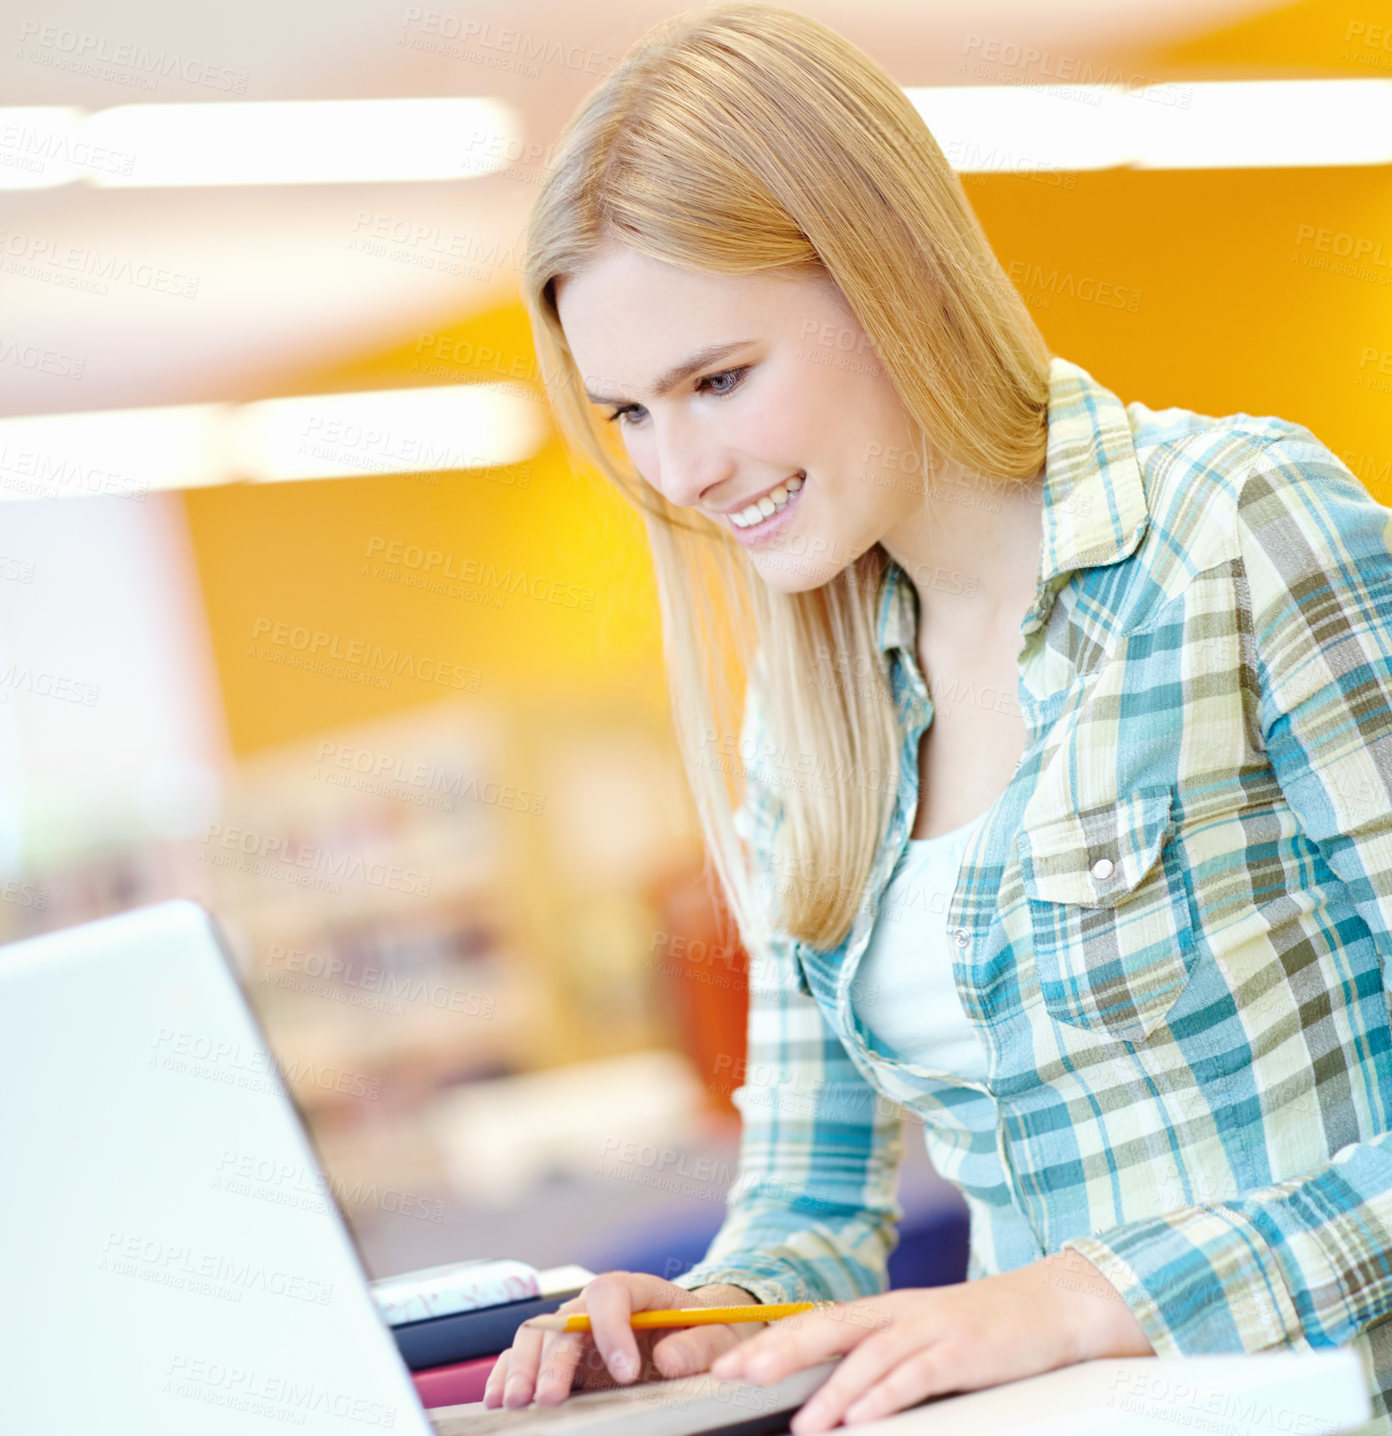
(305, 614)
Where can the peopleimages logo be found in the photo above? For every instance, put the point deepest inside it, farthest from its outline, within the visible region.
(315, 643)
(23, 894)
(45, 684)
(269, 1396)
(270, 849)
(397, 553)
(170, 1264)
(392, 775)
(341, 974)
(217, 1060)
(286, 1184)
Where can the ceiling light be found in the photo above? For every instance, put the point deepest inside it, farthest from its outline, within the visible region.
(258, 142)
(129, 452)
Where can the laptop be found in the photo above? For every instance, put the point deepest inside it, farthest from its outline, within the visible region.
(172, 1258)
(162, 1272)
(162, 1269)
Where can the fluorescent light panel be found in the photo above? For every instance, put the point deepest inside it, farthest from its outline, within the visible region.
(257, 142)
(1207, 125)
(981, 128)
(125, 452)
(128, 452)
(1229, 125)
(388, 431)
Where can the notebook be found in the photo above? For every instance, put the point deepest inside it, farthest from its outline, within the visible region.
(467, 1335)
(454, 1287)
(455, 1384)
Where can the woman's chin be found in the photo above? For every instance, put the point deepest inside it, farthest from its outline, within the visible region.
(793, 572)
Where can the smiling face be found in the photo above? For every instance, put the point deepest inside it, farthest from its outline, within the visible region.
(726, 387)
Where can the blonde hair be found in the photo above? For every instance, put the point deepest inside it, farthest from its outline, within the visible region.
(739, 138)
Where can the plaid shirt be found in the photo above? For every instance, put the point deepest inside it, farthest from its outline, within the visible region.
(1169, 930)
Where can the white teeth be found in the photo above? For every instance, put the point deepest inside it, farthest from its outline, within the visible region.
(774, 500)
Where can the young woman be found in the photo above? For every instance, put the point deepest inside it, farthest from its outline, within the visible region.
(1110, 687)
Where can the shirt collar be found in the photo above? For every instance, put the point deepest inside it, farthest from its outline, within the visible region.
(1094, 500)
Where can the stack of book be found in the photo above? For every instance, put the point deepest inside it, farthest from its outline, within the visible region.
(452, 1322)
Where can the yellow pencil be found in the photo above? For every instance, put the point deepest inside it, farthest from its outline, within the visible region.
(682, 1316)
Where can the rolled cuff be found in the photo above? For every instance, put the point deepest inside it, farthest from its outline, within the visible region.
(1199, 1280)
(770, 1278)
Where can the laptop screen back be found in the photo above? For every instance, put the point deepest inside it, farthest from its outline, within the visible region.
(171, 1255)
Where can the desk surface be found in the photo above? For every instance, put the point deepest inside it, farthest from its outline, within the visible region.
(1271, 1394)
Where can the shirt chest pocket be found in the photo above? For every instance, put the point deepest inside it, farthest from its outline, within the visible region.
(1109, 913)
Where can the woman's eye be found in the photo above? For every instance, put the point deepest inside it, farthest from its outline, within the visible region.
(735, 374)
(620, 414)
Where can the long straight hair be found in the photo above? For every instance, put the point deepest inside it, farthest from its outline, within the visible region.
(740, 138)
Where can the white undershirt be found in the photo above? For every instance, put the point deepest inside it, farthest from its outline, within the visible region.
(904, 991)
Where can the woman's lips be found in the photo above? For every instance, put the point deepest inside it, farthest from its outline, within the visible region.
(767, 504)
(768, 525)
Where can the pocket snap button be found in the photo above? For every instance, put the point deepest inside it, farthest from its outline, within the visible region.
(1102, 868)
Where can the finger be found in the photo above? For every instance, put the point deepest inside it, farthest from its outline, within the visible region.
(800, 1341)
(493, 1387)
(917, 1377)
(610, 1304)
(684, 1353)
(560, 1354)
(595, 1375)
(520, 1379)
(523, 1357)
(862, 1373)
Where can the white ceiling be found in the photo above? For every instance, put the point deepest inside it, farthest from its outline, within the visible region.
(278, 285)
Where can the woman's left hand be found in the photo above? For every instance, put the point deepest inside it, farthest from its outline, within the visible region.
(905, 1346)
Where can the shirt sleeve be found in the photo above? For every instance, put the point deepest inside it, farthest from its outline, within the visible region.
(1307, 1260)
(812, 1214)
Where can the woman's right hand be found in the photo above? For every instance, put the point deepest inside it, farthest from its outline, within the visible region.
(548, 1365)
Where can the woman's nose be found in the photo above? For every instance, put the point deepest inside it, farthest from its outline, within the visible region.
(688, 470)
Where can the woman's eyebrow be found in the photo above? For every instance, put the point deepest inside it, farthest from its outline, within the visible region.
(684, 370)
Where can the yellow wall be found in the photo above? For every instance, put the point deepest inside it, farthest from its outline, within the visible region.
(1310, 38)
(1212, 290)
(1230, 314)
(565, 556)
